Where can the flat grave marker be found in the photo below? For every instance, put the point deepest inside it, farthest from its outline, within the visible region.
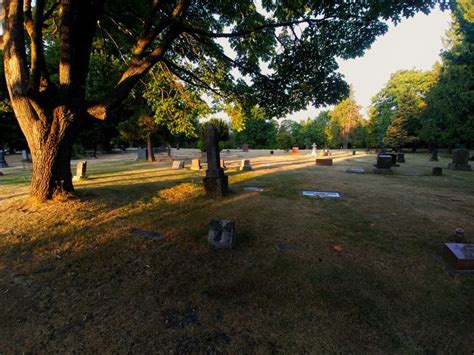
(355, 171)
(253, 189)
(324, 162)
(321, 194)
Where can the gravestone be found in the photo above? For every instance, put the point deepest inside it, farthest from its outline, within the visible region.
(324, 162)
(245, 165)
(177, 164)
(437, 171)
(394, 158)
(25, 156)
(353, 152)
(222, 234)
(321, 194)
(460, 255)
(326, 152)
(384, 164)
(401, 157)
(216, 183)
(434, 155)
(81, 171)
(313, 152)
(142, 154)
(3, 162)
(245, 148)
(460, 160)
(271, 152)
(223, 166)
(253, 189)
(295, 150)
(355, 171)
(196, 164)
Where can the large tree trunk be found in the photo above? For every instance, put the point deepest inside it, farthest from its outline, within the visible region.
(51, 149)
(149, 145)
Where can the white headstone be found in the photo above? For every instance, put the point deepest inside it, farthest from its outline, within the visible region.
(313, 152)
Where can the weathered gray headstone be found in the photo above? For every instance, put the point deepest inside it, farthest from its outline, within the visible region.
(384, 164)
(401, 157)
(142, 154)
(253, 189)
(434, 155)
(3, 162)
(196, 164)
(216, 183)
(313, 151)
(321, 194)
(437, 171)
(245, 148)
(178, 164)
(245, 165)
(25, 156)
(81, 171)
(460, 160)
(222, 234)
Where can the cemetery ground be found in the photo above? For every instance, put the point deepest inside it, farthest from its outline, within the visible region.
(306, 274)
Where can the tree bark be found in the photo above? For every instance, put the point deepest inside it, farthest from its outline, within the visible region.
(149, 145)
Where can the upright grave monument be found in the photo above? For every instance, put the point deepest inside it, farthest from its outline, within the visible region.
(196, 164)
(460, 160)
(81, 171)
(3, 162)
(313, 152)
(434, 155)
(383, 165)
(216, 183)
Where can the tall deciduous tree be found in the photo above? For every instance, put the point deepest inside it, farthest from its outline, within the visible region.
(299, 41)
(345, 118)
(449, 115)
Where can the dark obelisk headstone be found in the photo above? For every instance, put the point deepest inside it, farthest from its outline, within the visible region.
(434, 155)
(216, 183)
(3, 162)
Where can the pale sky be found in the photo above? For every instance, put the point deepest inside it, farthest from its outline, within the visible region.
(415, 43)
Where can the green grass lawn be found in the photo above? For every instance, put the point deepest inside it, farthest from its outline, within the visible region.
(73, 278)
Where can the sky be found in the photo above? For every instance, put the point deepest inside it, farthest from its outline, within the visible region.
(415, 43)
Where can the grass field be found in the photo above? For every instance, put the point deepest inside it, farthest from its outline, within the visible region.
(75, 278)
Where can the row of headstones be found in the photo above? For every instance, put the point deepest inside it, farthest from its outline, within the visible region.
(196, 165)
(25, 157)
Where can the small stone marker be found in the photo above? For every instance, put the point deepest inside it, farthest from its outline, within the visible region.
(313, 151)
(142, 154)
(245, 148)
(222, 234)
(437, 171)
(178, 164)
(289, 248)
(401, 157)
(295, 150)
(460, 255)
(326, 153)
(434, 155)
(3, 162)
(245, 165)
(384, 164)
(355, 171)
(1, 174)
(353, 152)
(271, 152)
(321, 194)
(253, 189)
(81, 170)
(460, 160)
(196, 164)
(324, 162)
